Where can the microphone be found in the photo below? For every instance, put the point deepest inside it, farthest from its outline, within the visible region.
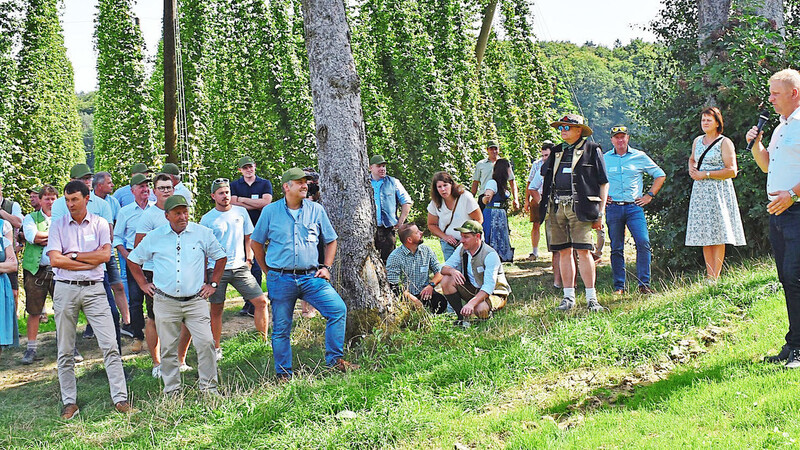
(763, 117)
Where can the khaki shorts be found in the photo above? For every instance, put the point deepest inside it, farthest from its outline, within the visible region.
(494, 301)
(534, 212)
(242, 280)
(36, 289)
(566, 231)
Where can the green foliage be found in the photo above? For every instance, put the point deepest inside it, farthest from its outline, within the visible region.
(746, 52)
(9, 31)
(123, 123)
(47, 130)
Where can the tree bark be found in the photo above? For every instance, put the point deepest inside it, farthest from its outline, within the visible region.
(486, 28)
(359, 274)
(772, 10)
(170, 83)
(712, 15)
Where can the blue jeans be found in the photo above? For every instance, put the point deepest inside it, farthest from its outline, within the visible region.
(447, 249)
(632, 216)
(283, 291)
(783, 234)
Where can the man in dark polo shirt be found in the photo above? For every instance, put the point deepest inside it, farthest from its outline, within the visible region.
(252, 193)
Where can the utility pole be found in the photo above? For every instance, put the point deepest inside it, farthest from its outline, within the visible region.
(170, 83)
(486, 28)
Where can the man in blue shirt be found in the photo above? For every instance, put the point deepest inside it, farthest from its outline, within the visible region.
(125, 194)
(252, 193)
(388, 193)
(291, 228)
(179, 251)
(625, 206)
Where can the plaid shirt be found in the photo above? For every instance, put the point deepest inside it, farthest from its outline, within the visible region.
(412, 269)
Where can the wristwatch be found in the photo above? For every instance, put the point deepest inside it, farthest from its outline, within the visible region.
(74, 256)
(213, 284)
(794, 196)
(325, 266)
(651, 194)
(433, 285)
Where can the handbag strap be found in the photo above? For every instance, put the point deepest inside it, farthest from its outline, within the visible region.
(700, 161)
(451, 215)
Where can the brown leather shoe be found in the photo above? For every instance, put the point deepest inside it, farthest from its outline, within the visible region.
(345, 366)
(646, 290)
(69, 411)
(619, 292)
(124, 408)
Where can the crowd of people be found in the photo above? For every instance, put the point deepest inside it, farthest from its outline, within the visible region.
(118, 255)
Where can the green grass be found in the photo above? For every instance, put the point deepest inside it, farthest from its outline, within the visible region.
(529, 378)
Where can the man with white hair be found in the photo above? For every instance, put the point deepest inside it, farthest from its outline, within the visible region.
(781, 162)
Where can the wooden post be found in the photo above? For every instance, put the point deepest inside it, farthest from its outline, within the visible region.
(170, 83)
(486, 28)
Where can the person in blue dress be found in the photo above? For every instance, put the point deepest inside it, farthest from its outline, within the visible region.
(9, 331)
(495, 219)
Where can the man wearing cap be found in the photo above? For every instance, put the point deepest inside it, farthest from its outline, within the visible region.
(37, 274)
(124, 237)
(151, 218)
(388, 192)
(179, 251)
(78, 246)
(103, 186)
(573, 198)
(483, 173)
(625, 207)
(409, 271)
(533, 195)
(291, 228)
(175, 173)
(33, 193)
(99, 207)
(232, 227)
(474, 274)
(125, 194)
(252, 193)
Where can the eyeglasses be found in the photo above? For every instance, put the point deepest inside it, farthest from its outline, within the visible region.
(221, 180)
(616, 130)
(563, 128)
(164, 188)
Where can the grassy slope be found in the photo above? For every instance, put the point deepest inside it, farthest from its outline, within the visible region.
(488, 386)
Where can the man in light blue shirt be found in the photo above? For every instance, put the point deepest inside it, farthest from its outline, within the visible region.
(388, 193)
(175, 173)
(625, 206)
(125, 194)
(474, 274)
(179, 252)
(291, 228)
(232, 227)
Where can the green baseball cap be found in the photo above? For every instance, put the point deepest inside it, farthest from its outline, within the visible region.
(140, 168)
(245, 160)
(139, 178)
(218, 183)
(175, 201)
(619, 129)
(492, 144)
(33, 189)
(171, 169)
(471, 226)
(377, 159)
(80, 171)
(295, 173)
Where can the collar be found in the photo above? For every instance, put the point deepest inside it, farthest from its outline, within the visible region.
(286, 206)
(85, 218)
(795, 115)
(472, 255)
(407, 250)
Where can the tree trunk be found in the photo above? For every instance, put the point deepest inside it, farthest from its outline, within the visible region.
(772, 10)
(712, 15)
(486, 28)
(359, 274)
(170, 83)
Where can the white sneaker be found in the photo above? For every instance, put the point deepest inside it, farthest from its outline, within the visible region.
(593, 305)
(156, 373)
(185, 368)
(219, 353)
(567, 303)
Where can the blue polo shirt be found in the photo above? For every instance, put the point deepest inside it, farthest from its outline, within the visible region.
(125, 196)
(292, 243)
(260, 186)
(625, 183)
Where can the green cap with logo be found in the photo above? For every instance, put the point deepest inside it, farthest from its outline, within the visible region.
(245, 160)
(492, 144)
(471, 226)
(295, 173)
(218, 183)
(171, 169)
(140, 168)
(139, 178)
(80, 171)
(175, 201)
(377, 159)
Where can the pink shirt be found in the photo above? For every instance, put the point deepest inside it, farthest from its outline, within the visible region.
(67, 236)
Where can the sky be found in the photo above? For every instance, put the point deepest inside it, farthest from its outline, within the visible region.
(601, 22)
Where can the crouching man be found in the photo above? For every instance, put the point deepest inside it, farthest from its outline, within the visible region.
(474, 274)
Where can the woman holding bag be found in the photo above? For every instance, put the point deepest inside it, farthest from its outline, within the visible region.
(451, 205)
(714, 218)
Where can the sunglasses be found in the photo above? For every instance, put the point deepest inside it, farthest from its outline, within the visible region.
(563, 128)
(616, 130)
(221, 180)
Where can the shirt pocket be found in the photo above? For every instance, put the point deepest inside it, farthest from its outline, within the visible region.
(312, 233)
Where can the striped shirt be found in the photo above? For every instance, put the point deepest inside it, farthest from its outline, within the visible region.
(412, 269)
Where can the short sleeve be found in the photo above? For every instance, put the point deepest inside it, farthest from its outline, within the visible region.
(432, 209)
(142, 252)
(16, 211)
(7, 228)
(491, 185)
(248, 224)
(328, 233)
(214, 249)
(104, 235)
(470, 204)
(54, 237)
(267, 187)
(260, 232)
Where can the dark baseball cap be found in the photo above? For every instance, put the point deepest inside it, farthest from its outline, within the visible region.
(139, 178)
(140, 168)
(171, 169)
(295, 173)
(245, 160)
(80, 171)
(175, 201)
(377, 159)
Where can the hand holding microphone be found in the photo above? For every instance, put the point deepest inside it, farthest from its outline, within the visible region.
(751, 136)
